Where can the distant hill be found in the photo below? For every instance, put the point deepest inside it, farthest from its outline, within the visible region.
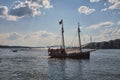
(112, 44)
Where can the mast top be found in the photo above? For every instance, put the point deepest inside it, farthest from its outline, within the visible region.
(78, 27)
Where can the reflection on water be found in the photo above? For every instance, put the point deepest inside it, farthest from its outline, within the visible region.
(56, 69)
(35, 65)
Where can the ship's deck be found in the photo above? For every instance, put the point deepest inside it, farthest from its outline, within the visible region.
(69, 53)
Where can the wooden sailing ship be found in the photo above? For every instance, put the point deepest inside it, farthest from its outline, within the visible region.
(62, 53)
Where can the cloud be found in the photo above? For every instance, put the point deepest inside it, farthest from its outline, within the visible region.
(106, 33)
(45, 38)
(105, 4)
(43, 34)
(3, 36)
(118, 23)
(104, 9)
(21, 9)
(14, 36)
(102, 24)
(94, 0)
(85, 10)
(114, 5)
(113, 1)
(4, 14)
(43, 3)
(40, 38)
(3, 11)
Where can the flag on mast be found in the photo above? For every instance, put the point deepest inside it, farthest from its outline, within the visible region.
(61, 21)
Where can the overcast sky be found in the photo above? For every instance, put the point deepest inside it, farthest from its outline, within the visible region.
(36, 22)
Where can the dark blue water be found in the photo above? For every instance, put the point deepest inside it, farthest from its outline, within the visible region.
(35, 65)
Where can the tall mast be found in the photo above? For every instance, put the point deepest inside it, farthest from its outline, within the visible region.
(62, 30)
(79, 37)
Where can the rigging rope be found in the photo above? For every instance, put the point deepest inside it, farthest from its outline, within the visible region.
(72, 44)
(57, 40)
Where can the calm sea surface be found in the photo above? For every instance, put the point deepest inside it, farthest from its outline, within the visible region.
(35, 65)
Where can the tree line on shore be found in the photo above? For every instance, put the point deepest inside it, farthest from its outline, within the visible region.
(112, 44)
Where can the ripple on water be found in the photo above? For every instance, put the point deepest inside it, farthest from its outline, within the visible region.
(35, 65)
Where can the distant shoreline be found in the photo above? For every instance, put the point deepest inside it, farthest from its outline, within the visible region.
(112, 44)
(4, 46)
